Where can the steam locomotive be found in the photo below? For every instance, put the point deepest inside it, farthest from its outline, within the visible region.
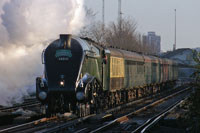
(84, 77)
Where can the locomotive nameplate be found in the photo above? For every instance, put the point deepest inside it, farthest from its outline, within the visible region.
(116, 67)
(63, 54)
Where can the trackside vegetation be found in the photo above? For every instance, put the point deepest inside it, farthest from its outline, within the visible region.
(191, 119)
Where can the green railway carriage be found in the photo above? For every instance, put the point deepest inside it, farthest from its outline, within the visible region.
(135, 69)
(160, 70)
(127, 69)
(148, 71)
(117, 70)
(130, 69)
(134, 73)
(154, 70)
(79, 71)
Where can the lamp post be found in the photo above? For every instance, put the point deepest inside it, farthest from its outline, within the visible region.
(103, 14)
(119, 13)
(174, 48)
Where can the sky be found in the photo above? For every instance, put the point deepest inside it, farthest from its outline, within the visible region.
(158, 16)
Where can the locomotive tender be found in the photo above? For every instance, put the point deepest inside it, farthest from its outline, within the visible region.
(82, 76)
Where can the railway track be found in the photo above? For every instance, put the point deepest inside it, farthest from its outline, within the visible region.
(114, 124)
(85, 127)
(154, 120)
(19, 127)
(46, 125)
(71, 124)
(31, 102)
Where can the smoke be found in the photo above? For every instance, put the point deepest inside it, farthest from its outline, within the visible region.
(26, 27)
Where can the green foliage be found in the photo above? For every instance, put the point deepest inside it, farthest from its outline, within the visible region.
(190, 117)
(196, 56)
(196, 74)
(194, 111)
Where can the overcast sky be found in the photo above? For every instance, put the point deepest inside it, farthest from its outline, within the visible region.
(158, 16)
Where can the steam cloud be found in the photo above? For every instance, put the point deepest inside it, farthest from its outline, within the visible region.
(26, 26)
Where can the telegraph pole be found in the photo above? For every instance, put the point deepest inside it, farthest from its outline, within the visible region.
(103, 14)
(174, 48)
(119, 13)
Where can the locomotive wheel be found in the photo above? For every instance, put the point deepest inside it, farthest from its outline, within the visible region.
(48, 112)
(83, 109)
(94, 101)
(55, 104)
(96, 96)
(50, 108)
(62, 104)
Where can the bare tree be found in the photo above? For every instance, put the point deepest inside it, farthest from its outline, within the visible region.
(94, 31)
(124, 36)
(120, 35)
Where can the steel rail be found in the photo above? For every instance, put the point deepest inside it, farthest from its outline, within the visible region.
(10, 129)
(63, 126)
(7, 109)
(28, 102)
(125, 117)
(152, 121)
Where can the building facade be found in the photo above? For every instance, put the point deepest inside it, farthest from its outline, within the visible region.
(152, 40)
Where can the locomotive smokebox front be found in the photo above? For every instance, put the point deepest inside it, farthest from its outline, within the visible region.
(62, 60)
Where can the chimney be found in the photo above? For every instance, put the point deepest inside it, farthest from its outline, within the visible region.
(65, 40)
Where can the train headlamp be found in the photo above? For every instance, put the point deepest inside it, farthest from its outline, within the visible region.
(62, 83)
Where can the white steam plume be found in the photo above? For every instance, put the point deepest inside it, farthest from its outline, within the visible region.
(26, 26)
